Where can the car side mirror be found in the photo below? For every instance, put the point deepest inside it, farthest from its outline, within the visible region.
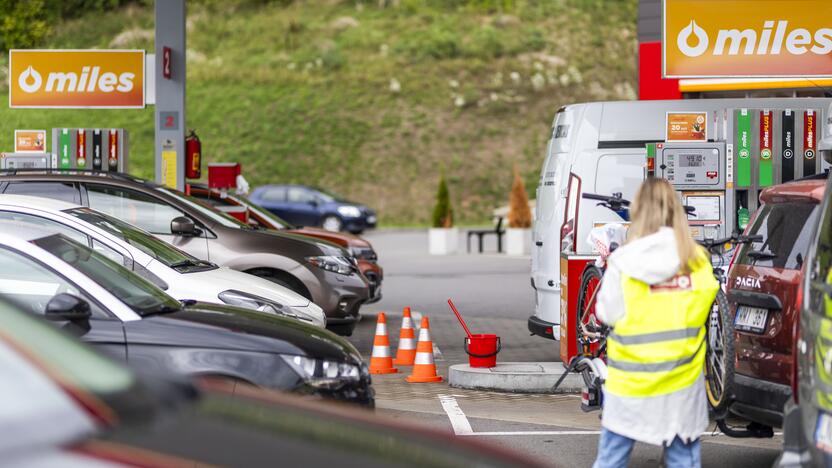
(67, 307)
(313, 203)
(183, 226)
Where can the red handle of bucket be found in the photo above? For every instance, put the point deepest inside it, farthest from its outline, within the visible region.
(459, 317)
(499, 347)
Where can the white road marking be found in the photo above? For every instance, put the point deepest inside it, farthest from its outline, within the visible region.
(462, 427)
(458, 420)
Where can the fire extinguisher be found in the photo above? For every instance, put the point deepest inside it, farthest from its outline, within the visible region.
(193, 156)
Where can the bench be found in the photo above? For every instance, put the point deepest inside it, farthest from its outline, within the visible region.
(480, 233)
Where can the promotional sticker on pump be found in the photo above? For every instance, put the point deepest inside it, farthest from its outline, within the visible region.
(766, 131)
(687, 126)
(742, 38)
(76, 78)
(30, 141)
(809, 142)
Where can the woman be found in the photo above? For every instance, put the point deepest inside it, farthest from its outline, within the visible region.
(656, 295)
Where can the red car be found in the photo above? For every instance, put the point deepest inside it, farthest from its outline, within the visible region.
(762, 289)
(257, 216)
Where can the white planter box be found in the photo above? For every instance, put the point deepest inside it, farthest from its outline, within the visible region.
(443, 241)
(518, 241)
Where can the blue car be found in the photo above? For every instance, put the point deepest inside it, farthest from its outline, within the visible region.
(306, 206)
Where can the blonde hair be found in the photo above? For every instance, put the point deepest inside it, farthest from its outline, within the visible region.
(656, 205)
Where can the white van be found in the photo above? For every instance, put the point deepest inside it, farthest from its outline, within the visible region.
(601, 148)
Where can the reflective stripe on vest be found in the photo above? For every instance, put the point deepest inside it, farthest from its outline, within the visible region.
(658, 346)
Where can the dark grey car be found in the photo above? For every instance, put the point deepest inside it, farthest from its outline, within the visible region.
(323, 272)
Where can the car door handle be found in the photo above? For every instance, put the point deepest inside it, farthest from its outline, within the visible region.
(539, 243)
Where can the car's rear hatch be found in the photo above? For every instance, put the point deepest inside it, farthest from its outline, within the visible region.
(763, 289)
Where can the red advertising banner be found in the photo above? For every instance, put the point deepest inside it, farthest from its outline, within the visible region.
(766, 131)
(809, 139)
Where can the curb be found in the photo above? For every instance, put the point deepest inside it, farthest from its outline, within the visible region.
(515, 377)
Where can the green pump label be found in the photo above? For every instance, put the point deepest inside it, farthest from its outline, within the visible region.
(743, 148)
(63, 149)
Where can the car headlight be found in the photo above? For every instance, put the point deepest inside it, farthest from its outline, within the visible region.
(335, 264)
(321, 373)
(349, 211)
(261, 304)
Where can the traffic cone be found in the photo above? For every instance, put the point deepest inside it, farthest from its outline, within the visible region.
(407, 341)
(380, 361)
(424, 370)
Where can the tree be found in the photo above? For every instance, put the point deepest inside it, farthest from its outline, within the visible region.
(442, 212)
(519, 214)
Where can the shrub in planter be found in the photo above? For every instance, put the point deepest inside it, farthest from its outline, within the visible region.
(443, 238)
(518, 234)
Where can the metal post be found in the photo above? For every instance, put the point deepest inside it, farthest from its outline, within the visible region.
(170, 93)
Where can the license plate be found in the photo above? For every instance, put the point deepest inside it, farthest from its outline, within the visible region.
(751, 319)
(823, 432)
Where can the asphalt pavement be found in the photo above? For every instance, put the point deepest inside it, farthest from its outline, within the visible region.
(494, 295)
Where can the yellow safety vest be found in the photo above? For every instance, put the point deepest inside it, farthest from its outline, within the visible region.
(823, 354)
(659, 346)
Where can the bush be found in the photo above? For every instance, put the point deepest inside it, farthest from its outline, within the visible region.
(519, 214)
(442, 212)
(23, 25)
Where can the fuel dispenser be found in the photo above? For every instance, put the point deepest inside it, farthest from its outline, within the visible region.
(721, 176)
(98, 149)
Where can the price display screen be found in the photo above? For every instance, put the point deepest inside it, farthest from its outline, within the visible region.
(691, 160)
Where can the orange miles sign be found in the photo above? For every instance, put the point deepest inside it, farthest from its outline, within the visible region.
(747, 38)
(687, 126)
(76, 78)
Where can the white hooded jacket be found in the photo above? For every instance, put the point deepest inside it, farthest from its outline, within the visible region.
(653, 420)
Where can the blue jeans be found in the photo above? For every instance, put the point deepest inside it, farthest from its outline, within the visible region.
(614, 452)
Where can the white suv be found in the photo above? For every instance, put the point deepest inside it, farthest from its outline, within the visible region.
(178, 273)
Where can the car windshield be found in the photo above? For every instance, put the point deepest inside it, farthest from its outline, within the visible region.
(328, 197)
(785, 237)
(131, 289)
(156, 248)
(205, 210)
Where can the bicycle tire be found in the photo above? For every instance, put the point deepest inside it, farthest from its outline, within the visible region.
(721, 352)
(591, 273)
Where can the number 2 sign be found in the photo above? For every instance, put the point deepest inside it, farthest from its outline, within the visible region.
(169, 120)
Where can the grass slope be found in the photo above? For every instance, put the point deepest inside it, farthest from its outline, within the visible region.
(369, 101)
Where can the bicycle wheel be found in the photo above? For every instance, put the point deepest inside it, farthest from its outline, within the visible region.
(590, 281)
(719, 357)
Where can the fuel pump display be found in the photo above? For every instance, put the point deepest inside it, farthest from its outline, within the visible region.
(71, 148)
(698, 171)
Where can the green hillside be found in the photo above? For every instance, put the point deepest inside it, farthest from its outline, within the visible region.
(372, 99)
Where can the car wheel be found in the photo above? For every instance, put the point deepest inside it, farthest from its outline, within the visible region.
(719, 357)
(332, 223)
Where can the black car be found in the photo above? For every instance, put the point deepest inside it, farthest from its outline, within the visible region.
(114, 309)
(66, 405)
(307, 206)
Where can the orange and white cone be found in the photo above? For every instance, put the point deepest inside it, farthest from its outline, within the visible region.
(406, 353)
(381, 362)
(424, 369)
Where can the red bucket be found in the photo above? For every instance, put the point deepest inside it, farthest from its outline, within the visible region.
(482, 350)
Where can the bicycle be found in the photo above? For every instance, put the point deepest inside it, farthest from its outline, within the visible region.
(591, 336)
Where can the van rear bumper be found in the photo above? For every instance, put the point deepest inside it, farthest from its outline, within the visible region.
(541, 327)
(759, 400)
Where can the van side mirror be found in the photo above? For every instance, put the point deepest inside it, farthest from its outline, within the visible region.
(183, 226)
(66, 307)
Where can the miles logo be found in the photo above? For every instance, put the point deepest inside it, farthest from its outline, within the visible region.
(89, 80)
